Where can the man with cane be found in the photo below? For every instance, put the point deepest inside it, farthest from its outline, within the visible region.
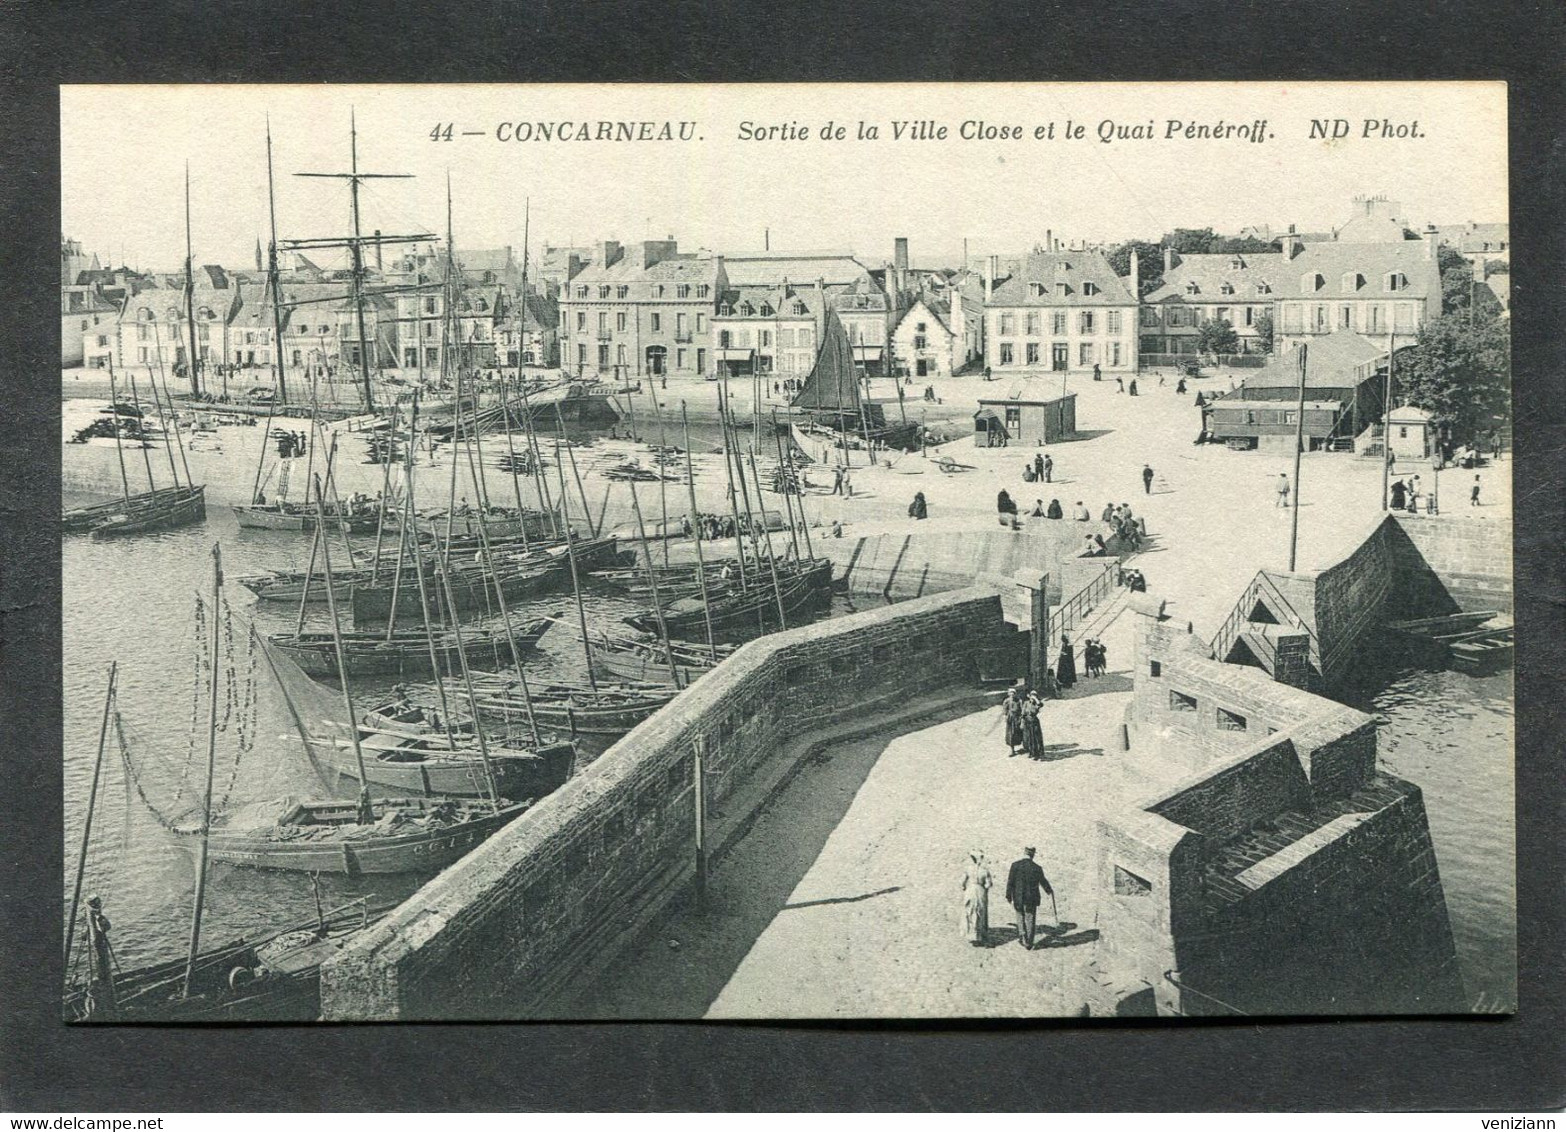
(1023, 885)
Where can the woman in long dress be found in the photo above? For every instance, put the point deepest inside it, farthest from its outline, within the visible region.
(1066, 664)
(976, 881)
(1032, 732)
(1011, 707)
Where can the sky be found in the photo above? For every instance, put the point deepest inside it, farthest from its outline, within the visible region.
(124, 151)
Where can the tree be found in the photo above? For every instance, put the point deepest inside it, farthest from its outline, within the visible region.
(1149, 265)
(1217, 336)
(1496, 267)
(1460, 372)
(1264, 332)
(1458, 290)
(1232, 245)
(1190, 241)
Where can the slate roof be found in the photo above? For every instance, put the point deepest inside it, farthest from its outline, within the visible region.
(775, 297)
(939, 309)
(1243, 271)
(684, 267)
(1373, 261)
(753, 269)
(1340, 360)
(1476, 237)
(1074, 269)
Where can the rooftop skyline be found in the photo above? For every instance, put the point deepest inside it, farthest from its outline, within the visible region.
(124, 150)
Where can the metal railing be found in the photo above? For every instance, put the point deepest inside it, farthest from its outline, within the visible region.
(1233, 625)
(1073, 610)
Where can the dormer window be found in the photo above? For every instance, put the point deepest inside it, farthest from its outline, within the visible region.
(747, 309)
(1036, 289)
(1062, 267)
(621, 291)
(1352, 281)
(603, 291)
(1089, 288)
(799, 307)
(1312, 281)
(726, 309)
(1396, 281)
(1062, 289)
(766, 310)
(1263, 289)
(1226, 288)
(683, 291)
(657, 291)
(1236, 264)
(581, 292)
(1192, 288)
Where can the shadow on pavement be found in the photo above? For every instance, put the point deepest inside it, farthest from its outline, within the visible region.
(843, 899)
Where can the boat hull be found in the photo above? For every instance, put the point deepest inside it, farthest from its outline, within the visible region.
(531, 774)
(186, 510)
(408, 655)
(423, 851)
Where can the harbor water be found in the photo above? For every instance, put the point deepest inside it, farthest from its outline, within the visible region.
(134, 602)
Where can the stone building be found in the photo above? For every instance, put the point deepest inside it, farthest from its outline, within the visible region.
(88, 326)
(1375, 289)
(1063, 311)
(938, 336)
(767, 330)
(1238, 288)
(642, 309)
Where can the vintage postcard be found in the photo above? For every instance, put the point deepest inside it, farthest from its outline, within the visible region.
(787, 551)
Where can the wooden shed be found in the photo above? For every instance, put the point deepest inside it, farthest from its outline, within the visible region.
(1026, 421)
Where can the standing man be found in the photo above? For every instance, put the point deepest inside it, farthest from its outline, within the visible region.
(1473, 498)
(1147, 479)
(1096, 375)
(1049, 467)
(837, 479)
(1040, 467)
(1283, 489)
(1024, 883)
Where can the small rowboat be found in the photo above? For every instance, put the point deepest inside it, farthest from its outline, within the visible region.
(642, 662)
(573, 709)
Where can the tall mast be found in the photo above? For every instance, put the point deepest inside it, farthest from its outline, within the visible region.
(119, 449)
(527, 205)
(213, 615)
(365, 816)
(576, 585)
(92, 801)
(272, 274)
(657, 602)
(190, 292)
(142, 420)
(701, 565)
(358, 261)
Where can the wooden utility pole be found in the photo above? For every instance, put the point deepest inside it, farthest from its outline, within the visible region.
(1386, 428)
(1299, 446)
(272, 274)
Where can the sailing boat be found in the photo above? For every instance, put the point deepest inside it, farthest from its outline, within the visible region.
(156, 509)
(835, 413)
(276, 978)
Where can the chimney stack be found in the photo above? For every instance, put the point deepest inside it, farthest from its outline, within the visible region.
(820, 310)
(377, 249)
(1136, 273)
(1291, 244)
(1049, 239)
(1168, 259)
(991, 265)
(1431, 242)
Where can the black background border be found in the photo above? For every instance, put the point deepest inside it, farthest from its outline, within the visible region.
(1484, 1063)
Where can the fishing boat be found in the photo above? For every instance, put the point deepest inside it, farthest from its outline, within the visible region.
(406, 835)
(275, 979)
(1484, 653)
(749, 613)
(570, 708)
(406, 652)
(185, 506)
(643, 660)
(835, 414)
(299, 517)
(503, 523)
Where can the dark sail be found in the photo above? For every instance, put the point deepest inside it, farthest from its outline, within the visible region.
(833, 384)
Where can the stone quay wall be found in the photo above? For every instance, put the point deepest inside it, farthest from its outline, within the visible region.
(1285, 873)
(1449, 563)
(498, 932)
